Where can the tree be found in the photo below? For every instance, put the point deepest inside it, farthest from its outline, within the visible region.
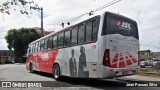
(24, 6)
(18, 39)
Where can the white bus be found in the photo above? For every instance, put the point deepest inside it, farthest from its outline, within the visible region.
(103, 46)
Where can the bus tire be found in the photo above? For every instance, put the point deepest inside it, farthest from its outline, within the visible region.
(56, 72)
(31, 68)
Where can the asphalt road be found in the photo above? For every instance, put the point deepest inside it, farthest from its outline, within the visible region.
(18, 72)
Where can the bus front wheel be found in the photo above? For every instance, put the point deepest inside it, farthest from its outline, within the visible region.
(56, 72)
(30, 68)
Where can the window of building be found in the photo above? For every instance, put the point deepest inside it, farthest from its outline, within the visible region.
(142, 53)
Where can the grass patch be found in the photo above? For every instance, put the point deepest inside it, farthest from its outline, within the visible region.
(149, 72)
(145, 70)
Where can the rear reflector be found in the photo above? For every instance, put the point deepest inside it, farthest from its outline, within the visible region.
(106, 58)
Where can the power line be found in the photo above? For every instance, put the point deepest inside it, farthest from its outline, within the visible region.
(107, 5)
(68, 20)
(95, 10)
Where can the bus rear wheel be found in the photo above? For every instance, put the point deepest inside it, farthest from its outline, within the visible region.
(56, 72)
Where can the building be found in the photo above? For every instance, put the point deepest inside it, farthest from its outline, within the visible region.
(5, 55)
(156, 55)
(145, 55)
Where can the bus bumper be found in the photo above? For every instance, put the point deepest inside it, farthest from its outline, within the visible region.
(107, 72)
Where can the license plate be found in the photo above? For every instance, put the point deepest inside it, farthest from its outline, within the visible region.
(125, 73)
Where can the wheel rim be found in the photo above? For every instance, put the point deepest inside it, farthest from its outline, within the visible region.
(56, 71)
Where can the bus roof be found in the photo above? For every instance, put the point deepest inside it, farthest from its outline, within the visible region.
(83, 19)
(57, 31)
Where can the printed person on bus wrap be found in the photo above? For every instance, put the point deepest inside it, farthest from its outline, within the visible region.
(72, 65)
(82, 70)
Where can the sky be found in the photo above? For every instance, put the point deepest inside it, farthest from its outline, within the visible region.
(145, 12)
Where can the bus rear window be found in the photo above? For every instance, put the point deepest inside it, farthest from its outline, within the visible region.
(114, 24)
(123, 27)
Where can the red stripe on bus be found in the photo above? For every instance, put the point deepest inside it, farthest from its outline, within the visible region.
(130, 56)
(122, 64)
(114, 65)
(134, 60)
(121, 58)
(129, 62)
(115, 60)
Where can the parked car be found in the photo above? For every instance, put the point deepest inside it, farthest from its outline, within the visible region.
(142, 64)
(148, 63)
(145, 63)
(10, 61)
(156, 62)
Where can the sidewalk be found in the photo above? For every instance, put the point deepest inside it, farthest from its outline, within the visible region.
(140, 78)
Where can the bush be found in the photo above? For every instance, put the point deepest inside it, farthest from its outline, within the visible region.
(145, 70)
(156, 68)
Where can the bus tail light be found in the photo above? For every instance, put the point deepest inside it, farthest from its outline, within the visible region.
(106, 58)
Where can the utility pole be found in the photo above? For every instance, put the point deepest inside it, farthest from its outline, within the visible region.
(41, 9)
(41, 22)
(0, 57)
(159, 52)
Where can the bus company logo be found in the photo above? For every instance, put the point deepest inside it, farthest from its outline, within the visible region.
(6, 84)
(21, 84)
(45, 56)
(124, 25)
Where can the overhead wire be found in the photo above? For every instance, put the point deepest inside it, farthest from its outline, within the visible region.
(95, 10)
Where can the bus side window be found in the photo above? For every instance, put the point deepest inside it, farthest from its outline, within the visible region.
(60, 39)
(67, 38)
(89, 32)
(36, 46)
(45, 45)
(33, 48)
(28, 51)
(55, 42)
(53, 46)
(38, 49)
(74, 36)
(95, 30)
(81, 31)
(42, 45)
(50, 43)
